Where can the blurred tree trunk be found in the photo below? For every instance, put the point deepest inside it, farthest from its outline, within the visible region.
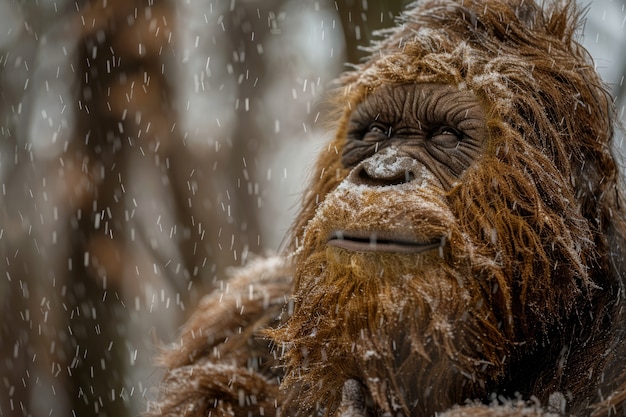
(38, 195)
(68, 222)
(125, 114)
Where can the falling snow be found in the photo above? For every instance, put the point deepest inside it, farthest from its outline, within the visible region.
(146, 147)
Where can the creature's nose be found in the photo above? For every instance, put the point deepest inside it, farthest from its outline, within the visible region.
(387, 167)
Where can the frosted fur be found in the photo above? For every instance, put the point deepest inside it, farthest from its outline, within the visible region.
(214, 368)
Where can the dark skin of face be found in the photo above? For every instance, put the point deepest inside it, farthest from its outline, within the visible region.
(401, 133)
(439, 126)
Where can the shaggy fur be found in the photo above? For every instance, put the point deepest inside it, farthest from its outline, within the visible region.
(518, 312)
(220, 367)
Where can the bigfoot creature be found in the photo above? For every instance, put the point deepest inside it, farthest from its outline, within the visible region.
(460, 251)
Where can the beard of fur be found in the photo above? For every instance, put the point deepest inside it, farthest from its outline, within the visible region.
(418, 331)
(402, 335)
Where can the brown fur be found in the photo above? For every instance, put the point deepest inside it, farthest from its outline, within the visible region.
(524, 298)
(220, 366)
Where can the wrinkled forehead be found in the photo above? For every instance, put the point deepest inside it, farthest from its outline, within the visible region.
(489, 77)
(412, 96)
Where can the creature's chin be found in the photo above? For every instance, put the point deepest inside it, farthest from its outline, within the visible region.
(382, 242)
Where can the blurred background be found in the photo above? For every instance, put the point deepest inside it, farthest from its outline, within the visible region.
(146, 147)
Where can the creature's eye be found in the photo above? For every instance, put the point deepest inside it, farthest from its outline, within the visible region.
(377, 131)
(447, 137)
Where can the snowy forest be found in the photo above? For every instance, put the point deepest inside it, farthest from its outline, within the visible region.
(147, 147)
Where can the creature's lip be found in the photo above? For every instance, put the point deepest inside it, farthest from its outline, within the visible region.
(382, 242)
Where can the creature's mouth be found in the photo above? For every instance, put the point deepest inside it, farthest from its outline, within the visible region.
(382, 242)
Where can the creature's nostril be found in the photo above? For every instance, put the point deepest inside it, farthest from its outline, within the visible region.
(365, 177)
(409, 176)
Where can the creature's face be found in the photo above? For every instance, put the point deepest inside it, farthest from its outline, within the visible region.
(429, 125)
(447, 248)
(405, 146)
